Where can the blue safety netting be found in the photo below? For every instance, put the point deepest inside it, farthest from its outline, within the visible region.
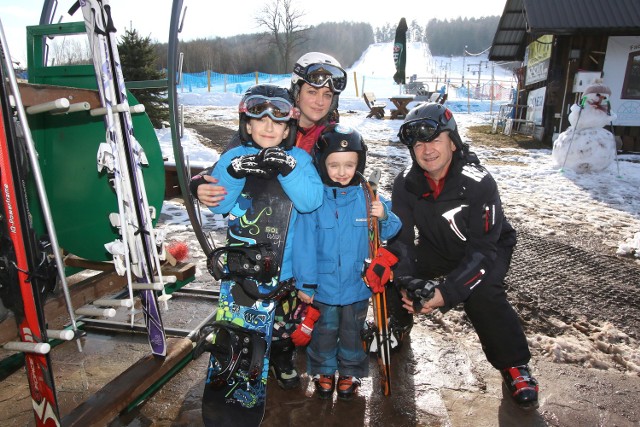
(235, 83)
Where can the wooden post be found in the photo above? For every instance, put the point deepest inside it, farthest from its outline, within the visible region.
(355, 81)
(103, 406)
(256, 77)
(208, 80)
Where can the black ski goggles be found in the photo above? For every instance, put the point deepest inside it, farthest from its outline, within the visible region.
(318, 75)
(425, 130)
(279, 109)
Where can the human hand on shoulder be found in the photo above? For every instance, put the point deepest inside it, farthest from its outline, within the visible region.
(210, 194)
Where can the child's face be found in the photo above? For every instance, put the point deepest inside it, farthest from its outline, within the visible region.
(341, 166)
(266, 132)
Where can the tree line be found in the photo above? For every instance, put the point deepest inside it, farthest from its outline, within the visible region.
(447, 37)
(346, 41)
(247, 53)
(144, 60)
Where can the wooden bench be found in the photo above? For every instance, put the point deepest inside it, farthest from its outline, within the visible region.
(376, 109)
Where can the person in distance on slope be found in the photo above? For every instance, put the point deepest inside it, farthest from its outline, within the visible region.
(335, 242)
(316, 83)
(464, 243)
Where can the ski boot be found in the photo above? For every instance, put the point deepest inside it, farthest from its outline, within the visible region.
(325, 384)
(347, 387)
(522, 386)
(281, 364)
(398, 332)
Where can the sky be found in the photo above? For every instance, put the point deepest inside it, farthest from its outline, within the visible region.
(213, 19)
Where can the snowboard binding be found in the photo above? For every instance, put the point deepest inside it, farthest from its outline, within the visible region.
(234, 352)
(257, 261)
(252, 267)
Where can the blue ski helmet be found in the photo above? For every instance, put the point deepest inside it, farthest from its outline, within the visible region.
(268, 100)
(339, 138)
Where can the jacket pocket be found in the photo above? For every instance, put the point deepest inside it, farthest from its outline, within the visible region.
(326, 267)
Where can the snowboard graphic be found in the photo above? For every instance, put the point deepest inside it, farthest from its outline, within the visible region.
(240, 338)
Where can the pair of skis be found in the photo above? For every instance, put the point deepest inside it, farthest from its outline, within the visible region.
(136, 254)
(26, 270)
(380, 315)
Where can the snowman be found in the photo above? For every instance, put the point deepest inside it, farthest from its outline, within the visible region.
(586, 146)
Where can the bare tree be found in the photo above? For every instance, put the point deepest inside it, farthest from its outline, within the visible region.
(284, 26)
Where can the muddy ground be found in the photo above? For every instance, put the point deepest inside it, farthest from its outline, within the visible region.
(580, 310)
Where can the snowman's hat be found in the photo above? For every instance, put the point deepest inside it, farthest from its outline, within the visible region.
(597, 88)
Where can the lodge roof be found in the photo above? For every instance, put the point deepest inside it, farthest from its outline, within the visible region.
(521, 18)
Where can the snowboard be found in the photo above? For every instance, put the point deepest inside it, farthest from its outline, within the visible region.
(240, 338)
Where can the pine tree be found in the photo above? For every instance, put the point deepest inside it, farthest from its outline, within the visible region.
(138, 56)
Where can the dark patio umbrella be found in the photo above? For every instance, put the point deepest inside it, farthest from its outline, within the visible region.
(400, 52)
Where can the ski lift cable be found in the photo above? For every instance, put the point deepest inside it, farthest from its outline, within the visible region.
(476, 54)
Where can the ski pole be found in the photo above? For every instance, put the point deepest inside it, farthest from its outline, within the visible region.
(42, 194)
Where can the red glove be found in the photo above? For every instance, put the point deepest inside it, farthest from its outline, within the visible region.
(379, 272)
(302, 335)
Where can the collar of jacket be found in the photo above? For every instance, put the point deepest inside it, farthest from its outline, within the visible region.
(416, 182)
(307, 137)
(342, 193)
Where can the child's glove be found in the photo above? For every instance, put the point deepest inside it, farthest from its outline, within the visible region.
(248, 164)
(302, 335)
(379, 271)
(278, 159)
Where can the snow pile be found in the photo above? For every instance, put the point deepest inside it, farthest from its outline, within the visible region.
(605, 347)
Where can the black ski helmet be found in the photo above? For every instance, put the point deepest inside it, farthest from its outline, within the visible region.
(425, 122)
(302, 66)
(274, 96)
(339, 138)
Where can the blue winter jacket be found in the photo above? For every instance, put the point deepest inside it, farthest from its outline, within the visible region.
(302, 185)
(332, 243)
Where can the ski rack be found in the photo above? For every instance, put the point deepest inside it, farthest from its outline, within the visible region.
(144, 376)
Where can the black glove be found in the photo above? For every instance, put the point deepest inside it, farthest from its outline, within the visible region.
(418, 290)
(249, 164)
(278, 159)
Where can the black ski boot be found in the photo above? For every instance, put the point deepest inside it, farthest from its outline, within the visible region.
(522, 386)
(282, 364)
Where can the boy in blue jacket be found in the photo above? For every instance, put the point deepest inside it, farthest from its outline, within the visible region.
(331, 246)
(267, 131)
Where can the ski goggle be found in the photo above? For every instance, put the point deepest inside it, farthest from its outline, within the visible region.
(258, 106)
(425, 130)
(318, 75)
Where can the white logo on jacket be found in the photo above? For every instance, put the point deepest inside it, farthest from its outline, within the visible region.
(474, 173)
(450, 217)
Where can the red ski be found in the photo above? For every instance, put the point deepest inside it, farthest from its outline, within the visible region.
(23, 258)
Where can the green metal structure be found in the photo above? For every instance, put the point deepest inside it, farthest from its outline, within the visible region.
(81, 198)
